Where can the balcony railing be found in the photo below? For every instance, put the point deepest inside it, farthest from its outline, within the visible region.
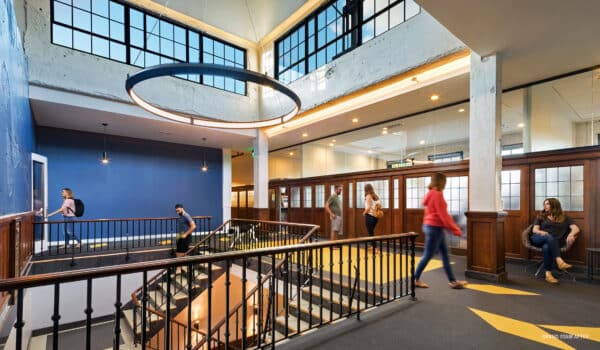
(105, 235)
(313, 284)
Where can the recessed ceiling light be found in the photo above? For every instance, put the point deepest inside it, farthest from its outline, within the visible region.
(422, 142)
(304, 134)
(434, 97)
(384, 131)
(369, 151)
(331, 145)
(291, 153)
(333, 140)
(461, 110)
(521, 125)
(355, 120)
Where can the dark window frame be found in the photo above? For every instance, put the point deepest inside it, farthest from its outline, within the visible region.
(352, 23)
(127, 42)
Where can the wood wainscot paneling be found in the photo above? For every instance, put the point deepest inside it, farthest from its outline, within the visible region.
(485, 246)
(414, 223)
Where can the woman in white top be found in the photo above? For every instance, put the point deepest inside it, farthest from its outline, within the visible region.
(369, 213)
(68, 211)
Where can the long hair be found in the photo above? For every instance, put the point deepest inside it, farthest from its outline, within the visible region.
(438, 181)
(555, 210)
(369, 190)
(68, 192)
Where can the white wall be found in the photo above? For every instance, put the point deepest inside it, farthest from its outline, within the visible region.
(552, 118)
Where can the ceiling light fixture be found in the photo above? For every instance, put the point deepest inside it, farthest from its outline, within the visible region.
(355, 120)
(422, 142)
(291, 153)
(434, 97)
(521, 125)
(304, 134)
(210, 69)
(105, 159)
(461, 110)
(331, 145)
(204, 167)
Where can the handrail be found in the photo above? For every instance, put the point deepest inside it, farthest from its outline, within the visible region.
(97, 272)
(120, 219)
(251, 292)
(314, 228)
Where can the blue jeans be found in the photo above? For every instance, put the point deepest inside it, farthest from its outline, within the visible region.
(435, 240)
(550, 249)
(68, 230)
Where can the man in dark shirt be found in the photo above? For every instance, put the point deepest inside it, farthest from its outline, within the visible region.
(185, 227)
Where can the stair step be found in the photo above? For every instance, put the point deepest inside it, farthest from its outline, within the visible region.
(336, 298)
(292, 324)
(316, 314)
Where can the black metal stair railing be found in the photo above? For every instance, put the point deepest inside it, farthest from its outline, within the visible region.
(233, 235)
(104, 235)
(344, 278)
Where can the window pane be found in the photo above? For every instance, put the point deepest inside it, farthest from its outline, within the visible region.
(136, 19)
(61, 35)
(82, 4)
(82, 20)
(117, 51)
(100, 46)
(381, 23)
(179, 35)
(100, 7)
(152, 43)
(412, 8)
(194, 40)
(62, 13)
(136, 37)
(397, 14)
(117, 31)
(166, 30)
(100, 25)
(82, 41)
(368, 31)
(368, 8)
(117, 12)
(166, 47)
(136, 57)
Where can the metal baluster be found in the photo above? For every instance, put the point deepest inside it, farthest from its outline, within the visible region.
(331, 282)
(412, 268)
(19, 323)
(144, 308)
(321, 285)
(358, 279)
(117, 338)
(244, 303)
(260, 299)
(273, 295)
(209, 305)
(88, 318)
(189, 307)
(227, 293)
(55, 316)
(380, 271)
(168, 311)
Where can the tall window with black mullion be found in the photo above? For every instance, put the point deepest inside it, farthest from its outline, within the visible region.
(129, 35)
(335, 29)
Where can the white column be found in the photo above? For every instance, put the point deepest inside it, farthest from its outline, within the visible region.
(261, 170)
(485, 134)
(527, 120)
(226, 185)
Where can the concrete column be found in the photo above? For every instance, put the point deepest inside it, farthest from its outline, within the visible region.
(527, 120)
(485, 219)
(226, 184)
(261, 176)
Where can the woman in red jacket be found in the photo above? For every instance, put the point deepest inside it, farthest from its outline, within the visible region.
(437, 219)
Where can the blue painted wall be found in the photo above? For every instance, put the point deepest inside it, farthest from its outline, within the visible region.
(17, 138)
(143, 179)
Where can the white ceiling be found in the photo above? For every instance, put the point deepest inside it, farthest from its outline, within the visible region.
(249, 19)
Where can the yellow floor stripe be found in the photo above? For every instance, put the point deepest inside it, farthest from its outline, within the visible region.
(97, 245)
(488, 288)
(521, 329)
(587, 333)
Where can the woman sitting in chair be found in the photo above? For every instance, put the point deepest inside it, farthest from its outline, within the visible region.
(551, 230)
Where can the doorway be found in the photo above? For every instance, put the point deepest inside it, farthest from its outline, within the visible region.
(39, 194)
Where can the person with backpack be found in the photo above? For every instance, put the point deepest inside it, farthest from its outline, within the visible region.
(69, 212)
(371, 212)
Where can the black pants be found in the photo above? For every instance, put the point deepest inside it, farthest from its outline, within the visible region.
(371, 222)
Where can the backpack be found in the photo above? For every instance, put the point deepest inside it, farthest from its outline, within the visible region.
(378, 211)
(79, 207)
